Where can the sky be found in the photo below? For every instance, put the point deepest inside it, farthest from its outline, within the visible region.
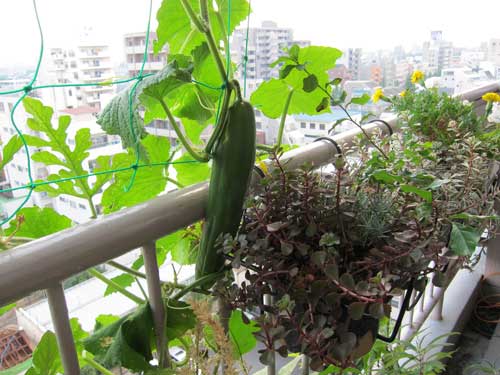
(348, 23)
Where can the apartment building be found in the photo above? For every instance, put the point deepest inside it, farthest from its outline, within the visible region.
(354, 62)
(89, 62)
(134, 44)
(265, 45)
(494, 51)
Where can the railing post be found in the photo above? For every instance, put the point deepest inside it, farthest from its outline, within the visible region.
(437, 312)
(422, 300)
(60, 320)
(412, 311)
(156, 301)
(305, 365)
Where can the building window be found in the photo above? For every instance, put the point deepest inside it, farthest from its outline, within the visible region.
(70, 93)
(82, 206)
(99, 140)
(2, 107)
(302, 125)
(72, 204)
(321, 126)
(258, 125)
(312, 125)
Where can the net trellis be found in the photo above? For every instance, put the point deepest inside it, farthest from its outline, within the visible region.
(31, 86)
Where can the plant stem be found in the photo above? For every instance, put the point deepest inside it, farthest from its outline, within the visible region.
(353, 121)
(219, 127)
(203, 157)
(116, 286)
(92, 208)
(175, 182)
(126, 269)
(87, 357)
(197, 283)
(367, 136)
(283, 119)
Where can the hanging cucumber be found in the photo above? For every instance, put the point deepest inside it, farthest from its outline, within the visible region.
(233, 161)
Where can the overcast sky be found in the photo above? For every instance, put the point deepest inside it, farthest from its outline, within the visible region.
(348, 23)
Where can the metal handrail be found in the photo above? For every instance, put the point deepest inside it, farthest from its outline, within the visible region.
(46, 262)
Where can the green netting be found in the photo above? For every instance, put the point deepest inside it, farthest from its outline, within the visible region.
(136, 79)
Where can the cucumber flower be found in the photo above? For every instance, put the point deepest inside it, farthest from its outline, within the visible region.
(417, 76)
(377, 95)
(491, 97)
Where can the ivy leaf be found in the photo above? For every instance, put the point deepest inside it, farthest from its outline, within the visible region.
(46, 359)
(176, 29)
(10, 149)
(464, 239)
(126, 342)
(38, 222)
(149, 180)
(425, 194)
(188, 172)
(242, 335)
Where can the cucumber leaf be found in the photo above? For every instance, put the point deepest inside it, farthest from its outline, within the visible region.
(37, 222)
(176, 29)
(149, 180)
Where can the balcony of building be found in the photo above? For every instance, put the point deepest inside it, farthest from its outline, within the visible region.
(44, 264)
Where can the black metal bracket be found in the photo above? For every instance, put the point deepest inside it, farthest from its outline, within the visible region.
(404, 308)
(259, 171)
(389, 127)
(339, 150)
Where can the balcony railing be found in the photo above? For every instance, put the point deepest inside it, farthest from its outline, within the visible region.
(45, 263)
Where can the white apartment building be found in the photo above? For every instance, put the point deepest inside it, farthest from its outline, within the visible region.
(438, 54)
(304, 129)
(265, 45)
(354, 62)
(89, 62)
(456, 80)
(134, 54)
(494, 51)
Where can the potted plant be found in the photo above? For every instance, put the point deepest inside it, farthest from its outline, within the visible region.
(325, 253)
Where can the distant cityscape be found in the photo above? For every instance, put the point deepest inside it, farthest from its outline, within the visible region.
(448, 67)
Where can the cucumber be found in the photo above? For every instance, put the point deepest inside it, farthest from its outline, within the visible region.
(233, 161)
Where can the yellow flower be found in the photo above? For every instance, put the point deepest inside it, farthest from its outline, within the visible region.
(263, 167)
(403, 93)
(417, 76)
(377, 95)
(491, 97)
